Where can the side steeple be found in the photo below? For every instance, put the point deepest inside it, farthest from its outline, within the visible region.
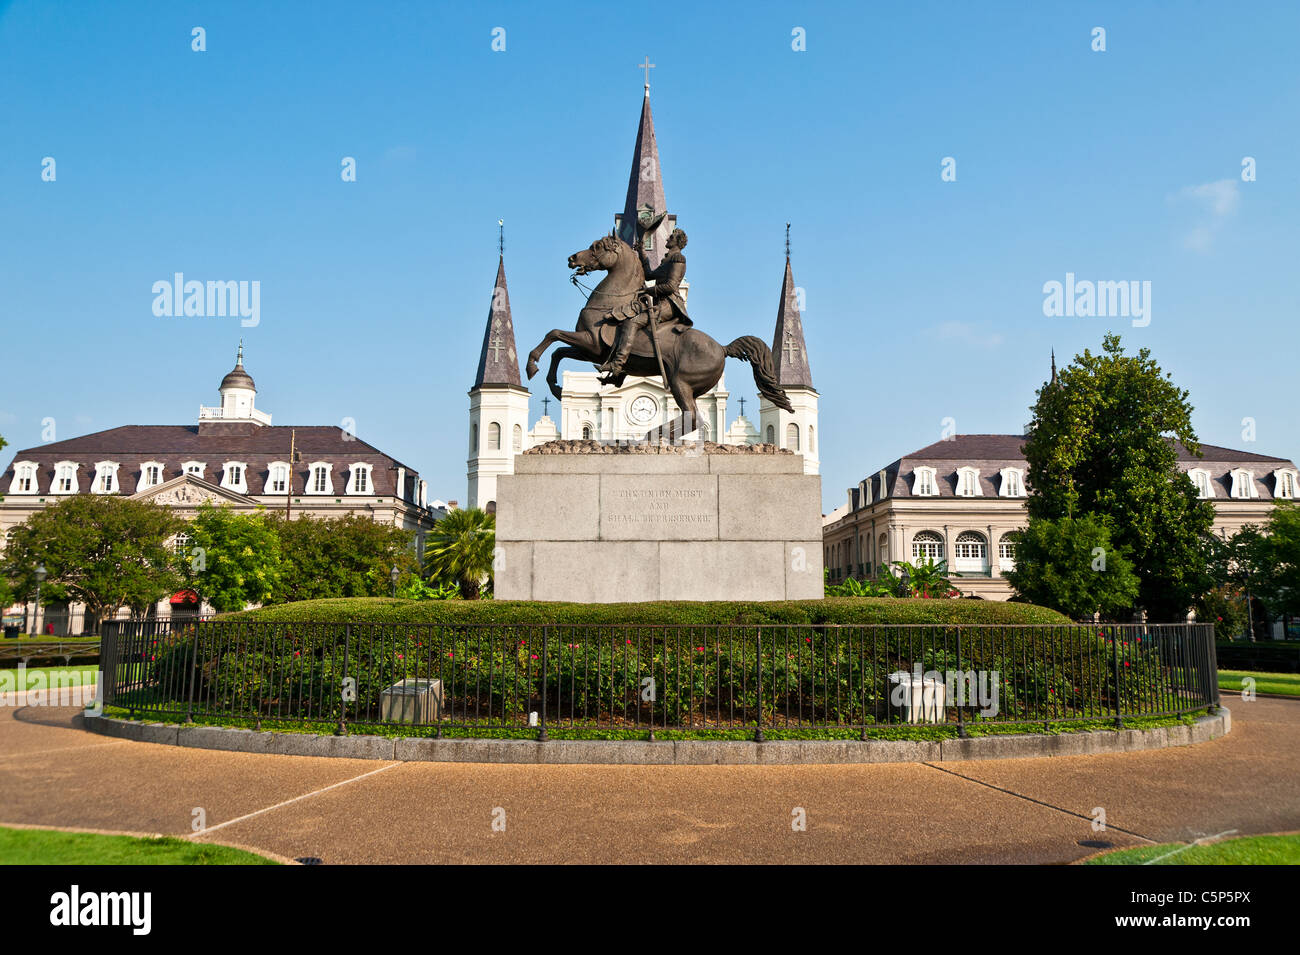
(788, 349)
(498, 402)
(792, 430)
(498, 362)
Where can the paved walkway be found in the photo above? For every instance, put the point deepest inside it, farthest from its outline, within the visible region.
(54, 773)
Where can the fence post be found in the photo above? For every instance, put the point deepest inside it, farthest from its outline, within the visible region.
(194, 662)
(961, 720)
(343, 700)
(758, 658)
(541, 731)
(1114, 655)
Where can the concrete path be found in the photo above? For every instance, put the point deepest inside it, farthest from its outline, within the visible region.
(54, 773)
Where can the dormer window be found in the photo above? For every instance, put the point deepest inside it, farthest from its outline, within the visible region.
(1243, 484)
(923, 483)
(883, 484)
(277, 481)
(195, 468)
(25, 478)
(864, 493)
(1012, 483)
(151, 474)
(106, 477)
(968, 482)
(320, 481)
(65, 477)
(1285, 482)
(359, 481)
(234, 476)
(1201, 480)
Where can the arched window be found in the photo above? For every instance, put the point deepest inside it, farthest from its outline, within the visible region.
(1201, 479)
(473, 439)
(517, 439)
(494, 437)
(1013, 483)
(278, 478)
(25, 478)
(792, 436)
(586, 432)
(1243, 484)
(1284, 484)
(882, 551)
(968, 482)
(359, 479)
(970, 553)
(771, 435)
(812, 440)
(65, 477)
(927, 544)
(321, 481)
(923, 483)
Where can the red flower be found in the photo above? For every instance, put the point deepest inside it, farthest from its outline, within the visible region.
(534, 656)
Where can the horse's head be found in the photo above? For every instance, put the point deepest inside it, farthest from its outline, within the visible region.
(600, 256)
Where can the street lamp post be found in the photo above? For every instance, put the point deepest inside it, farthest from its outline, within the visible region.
(41, 574)
(393, 575)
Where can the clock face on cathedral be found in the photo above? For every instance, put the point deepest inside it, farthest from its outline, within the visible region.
(643, 409)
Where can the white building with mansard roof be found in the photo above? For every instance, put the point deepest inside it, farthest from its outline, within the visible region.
(233, 456)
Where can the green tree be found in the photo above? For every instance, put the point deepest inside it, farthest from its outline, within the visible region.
(461, 550)
(349, 556)
(1279, 561)
(1073, 566)
(233, 559)
(104, 551)
(1102, 442)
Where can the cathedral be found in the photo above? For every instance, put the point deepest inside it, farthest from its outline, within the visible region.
(589, 410)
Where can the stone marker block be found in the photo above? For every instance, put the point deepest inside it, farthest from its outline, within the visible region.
(556, 507)
(412, 701)
(658, 507)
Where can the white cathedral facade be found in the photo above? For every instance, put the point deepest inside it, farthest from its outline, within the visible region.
(589, 410)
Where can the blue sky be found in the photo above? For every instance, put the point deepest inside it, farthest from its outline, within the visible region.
(924, 297)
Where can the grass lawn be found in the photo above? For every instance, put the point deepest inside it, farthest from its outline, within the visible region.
(80, 675)
(1283, 684)
(1247, 850)
(47, 847)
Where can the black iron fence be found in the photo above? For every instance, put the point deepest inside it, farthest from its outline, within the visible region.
(639, 678)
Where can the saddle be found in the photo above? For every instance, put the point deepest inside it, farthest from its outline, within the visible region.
(642, 347)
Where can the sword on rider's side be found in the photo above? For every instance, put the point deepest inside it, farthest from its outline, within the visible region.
(648, 223)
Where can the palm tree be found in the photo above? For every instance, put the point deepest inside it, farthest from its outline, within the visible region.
(461, 549)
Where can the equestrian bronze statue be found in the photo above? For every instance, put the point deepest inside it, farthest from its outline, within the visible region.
(628, 329)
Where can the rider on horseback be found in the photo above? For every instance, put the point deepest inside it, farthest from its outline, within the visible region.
(632, 318)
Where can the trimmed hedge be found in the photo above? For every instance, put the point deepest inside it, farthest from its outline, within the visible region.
(845, 610)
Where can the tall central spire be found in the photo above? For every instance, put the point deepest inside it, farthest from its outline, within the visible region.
(645, 187)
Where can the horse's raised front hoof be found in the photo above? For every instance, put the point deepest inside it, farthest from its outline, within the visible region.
(532, 368)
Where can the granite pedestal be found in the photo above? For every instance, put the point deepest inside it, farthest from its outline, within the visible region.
(604, 526)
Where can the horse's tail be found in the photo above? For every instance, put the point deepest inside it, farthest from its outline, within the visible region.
(753, 350)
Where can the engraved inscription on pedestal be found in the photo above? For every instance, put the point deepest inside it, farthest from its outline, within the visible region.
(658, 507)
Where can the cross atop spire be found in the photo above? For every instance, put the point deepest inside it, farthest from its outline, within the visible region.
(501, 238)
(498, 363)
(647, 66)
(788, 349)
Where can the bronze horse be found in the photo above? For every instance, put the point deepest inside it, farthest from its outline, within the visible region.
(692, 361)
